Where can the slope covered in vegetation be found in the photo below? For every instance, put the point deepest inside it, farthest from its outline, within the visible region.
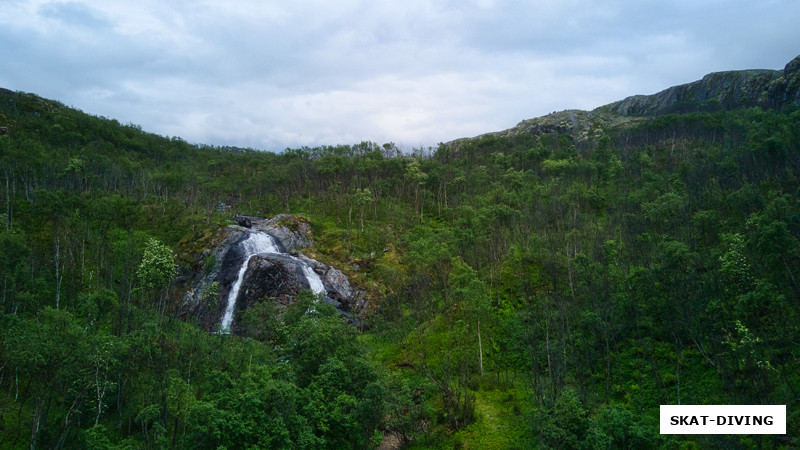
(532, 289)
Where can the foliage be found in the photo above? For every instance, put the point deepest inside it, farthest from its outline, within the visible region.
(157, 267)
(569, 285)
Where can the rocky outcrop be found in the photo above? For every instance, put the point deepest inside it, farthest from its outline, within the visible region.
(280, 278)
(292, 232)
(275, 277)
(786, 90)
(211, 279)
(718, 91)
(581, 125)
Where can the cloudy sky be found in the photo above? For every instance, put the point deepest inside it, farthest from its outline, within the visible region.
(271, 74)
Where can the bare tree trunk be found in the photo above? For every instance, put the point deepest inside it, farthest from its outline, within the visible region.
(349, 217)
(549, 361)
(480, 347)
(608, 364)
(59, 277)
(8, 204)
(62, 434)
(37, 417)
(678, 357)
(791, 275)
(101, 393)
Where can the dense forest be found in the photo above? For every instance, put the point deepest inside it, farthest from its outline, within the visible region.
(528, 290)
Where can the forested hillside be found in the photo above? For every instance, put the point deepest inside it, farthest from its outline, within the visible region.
(538, 289)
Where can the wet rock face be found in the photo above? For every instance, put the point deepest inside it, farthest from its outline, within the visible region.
(271, 276)
(291, 232)
(281, 278)
(203, 300)
(276, 276)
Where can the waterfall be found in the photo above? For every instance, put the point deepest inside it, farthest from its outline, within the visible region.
(258, 242)
(254, 244)
(314, 280)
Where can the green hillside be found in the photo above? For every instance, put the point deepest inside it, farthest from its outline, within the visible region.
(543, 288)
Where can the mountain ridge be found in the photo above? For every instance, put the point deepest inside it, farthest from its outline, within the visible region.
(773, 89)
(525, 291)
(716, 91)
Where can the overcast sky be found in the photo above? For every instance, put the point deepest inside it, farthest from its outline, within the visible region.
(274, 74)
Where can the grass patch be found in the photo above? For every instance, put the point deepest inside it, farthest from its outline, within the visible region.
(499, 421)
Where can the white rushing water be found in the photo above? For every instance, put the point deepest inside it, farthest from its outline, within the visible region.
(314, 280)
(256, 243)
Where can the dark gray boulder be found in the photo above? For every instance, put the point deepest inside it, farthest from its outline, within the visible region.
(279, 277)
(243, 221)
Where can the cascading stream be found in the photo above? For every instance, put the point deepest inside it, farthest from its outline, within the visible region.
(254, 244)
(314, 280)
(257, 243)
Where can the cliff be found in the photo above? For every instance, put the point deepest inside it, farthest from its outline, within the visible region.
(773, 89)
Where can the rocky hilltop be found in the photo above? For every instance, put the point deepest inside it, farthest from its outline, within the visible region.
(718, 91)
(581, 125)
(772, 89)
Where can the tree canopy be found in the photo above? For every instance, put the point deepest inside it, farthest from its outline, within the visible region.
(528, 291)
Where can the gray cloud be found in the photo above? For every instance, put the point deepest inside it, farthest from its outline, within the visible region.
(73, 15)
(270, 74)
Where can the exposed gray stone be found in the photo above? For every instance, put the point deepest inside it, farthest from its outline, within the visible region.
(715, 92)
(719, 91)
(217, 264)
(292, 232)
(276, 276)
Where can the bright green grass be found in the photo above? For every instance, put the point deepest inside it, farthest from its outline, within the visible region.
(499, 421)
